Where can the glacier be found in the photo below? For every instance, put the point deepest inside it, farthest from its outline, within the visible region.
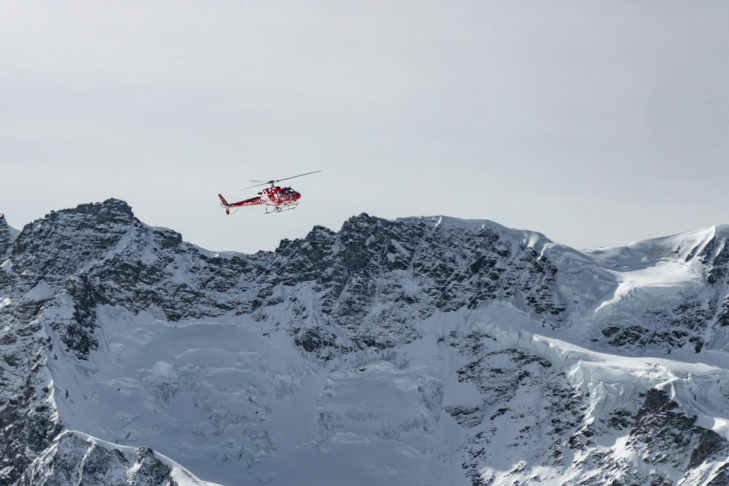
(422, 350)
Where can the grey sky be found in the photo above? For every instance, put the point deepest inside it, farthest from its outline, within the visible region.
(596, 123)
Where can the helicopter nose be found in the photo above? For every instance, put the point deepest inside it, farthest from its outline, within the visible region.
(297, 196)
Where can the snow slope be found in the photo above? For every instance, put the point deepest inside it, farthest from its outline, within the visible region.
(417, 351)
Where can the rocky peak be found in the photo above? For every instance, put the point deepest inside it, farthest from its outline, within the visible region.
(715, 255)
(58, 244)
(7, 235)
(111, 209)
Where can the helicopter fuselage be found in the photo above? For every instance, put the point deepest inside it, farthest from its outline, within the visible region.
(279, 198)
(275, 197)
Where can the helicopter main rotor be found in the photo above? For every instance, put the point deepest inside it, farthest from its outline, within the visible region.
(274, 181)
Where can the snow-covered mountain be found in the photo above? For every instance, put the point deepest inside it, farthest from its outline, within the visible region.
(417, 351)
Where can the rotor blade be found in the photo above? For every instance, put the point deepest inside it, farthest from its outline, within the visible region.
(258, 185)
(306, 173)
(256, 180)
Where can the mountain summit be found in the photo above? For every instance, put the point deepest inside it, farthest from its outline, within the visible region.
(426, 350)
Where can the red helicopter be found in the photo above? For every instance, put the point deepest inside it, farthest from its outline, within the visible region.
(277, 198)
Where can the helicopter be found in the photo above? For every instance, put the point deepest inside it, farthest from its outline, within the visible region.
(276, 198)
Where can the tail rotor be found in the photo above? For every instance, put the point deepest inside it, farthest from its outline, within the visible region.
(224, 203)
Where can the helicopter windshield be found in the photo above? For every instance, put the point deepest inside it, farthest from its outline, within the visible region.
(287, 193)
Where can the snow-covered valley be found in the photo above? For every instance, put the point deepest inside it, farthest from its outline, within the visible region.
(416, 351)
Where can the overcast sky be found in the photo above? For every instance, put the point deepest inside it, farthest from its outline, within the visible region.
(594, 122)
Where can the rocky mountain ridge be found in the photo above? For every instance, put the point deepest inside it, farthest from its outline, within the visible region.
(420, 350)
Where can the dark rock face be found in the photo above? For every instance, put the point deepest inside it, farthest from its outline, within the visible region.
(672, 328)
(669, 443)
(72, 459)
(715, 255)
(27, 429)
(62, 242)
(365, 266)
(78, 332)
(27, 421)
(507, 380)
(668, 429)
(6, 237)
(721, 477)
(710, 444)
(150, 470)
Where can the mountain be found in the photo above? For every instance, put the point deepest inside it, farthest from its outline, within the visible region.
(414, 351)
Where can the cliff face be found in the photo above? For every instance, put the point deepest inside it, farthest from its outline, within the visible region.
(420, 350)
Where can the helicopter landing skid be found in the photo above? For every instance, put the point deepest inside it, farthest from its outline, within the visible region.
(278, 209)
